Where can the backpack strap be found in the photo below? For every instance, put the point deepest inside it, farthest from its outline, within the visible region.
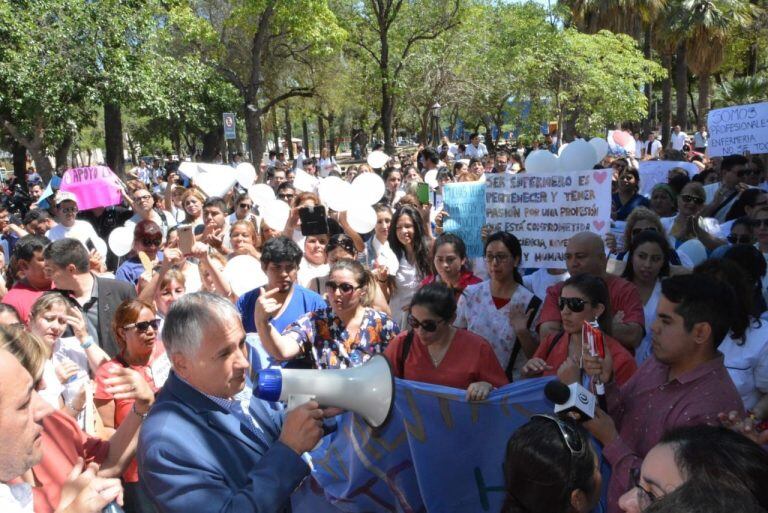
(407, 342)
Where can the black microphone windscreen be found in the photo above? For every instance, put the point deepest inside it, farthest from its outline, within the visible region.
(557, 392)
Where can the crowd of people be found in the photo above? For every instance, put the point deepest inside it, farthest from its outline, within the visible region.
(132, 378)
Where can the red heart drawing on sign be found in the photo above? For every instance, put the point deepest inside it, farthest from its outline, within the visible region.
(600, 176)
(598, 225)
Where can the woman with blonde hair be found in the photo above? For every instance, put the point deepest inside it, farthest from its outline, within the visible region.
(193, 206)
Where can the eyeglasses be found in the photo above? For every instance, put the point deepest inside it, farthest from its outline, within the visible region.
(429, 325)
(245, 205)
(644, 497)
(574, 304)
(285, 196)
(152, 242)
(687, 198)
(740, 239)
(573, 441)
(69, 210)
(637, 231)
(146, 197)
(143, 326)
(345, 288)
(500, 258)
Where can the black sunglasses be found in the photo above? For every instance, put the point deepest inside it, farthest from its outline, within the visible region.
(739, 239)
(687, 198)
(429, 325)
(143, 326)
(245, 205)
(637, 231)
(151, 242)
(571, 437)
(574, 304)
(346, 288)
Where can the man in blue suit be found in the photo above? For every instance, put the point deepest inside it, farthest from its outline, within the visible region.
(198, 449)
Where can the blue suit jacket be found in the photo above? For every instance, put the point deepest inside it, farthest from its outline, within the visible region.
(196, 457)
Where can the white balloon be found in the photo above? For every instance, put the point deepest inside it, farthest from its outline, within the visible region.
(244, 274)
(245, 174)
(188, 169)
(694, 249)
(431, 178)
(304, 182)
(121, 240)
(601, 147)
(561, 149)
(215, 179)
(336, 193)
(578, 156)
(261, 193)
(541, 161)
(377, 159)
(275, 214)
(368, 188)
(361, 217)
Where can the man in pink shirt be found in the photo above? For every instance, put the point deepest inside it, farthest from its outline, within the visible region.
(585, 254)
(684, 383)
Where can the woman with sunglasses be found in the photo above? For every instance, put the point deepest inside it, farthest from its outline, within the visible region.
(689, 224)
(648, 263)
(501, 309)
(136, 330)
(243, 210)
(583, 298)
(550, 466)
(66, 371)
(147, 239)
(627, 196)
(345, 334)
(435, 351)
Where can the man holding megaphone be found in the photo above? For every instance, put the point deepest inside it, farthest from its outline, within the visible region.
(199, 449)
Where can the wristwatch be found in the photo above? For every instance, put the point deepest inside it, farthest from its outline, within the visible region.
(141, 416)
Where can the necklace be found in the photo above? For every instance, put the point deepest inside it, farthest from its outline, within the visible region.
(443, 351)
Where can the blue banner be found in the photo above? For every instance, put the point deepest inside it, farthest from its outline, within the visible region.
(465, 204)
(438, 453)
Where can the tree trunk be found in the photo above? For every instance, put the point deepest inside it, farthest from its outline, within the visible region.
(648, 121)
(19, 162)
(320, 133)
(113, 137)
(331, 138)
(62, 151)
(488, 122)
(666, 102)
(305, 136)
(681, 86)
(288, 133)
(210, 145)
(703, 96)
(256, 140)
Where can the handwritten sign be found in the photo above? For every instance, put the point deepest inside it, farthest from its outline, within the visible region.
(654, 172)
(465, 204)
(93, 186)
(544, 210)
(738, 129)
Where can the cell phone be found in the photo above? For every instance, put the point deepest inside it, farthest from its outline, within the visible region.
(89, 244)
(186, 239)
(422, 192)
(313, 220)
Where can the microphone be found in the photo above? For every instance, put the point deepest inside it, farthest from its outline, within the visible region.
(571, 400)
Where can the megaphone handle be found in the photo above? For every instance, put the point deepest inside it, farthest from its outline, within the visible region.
(295, 400)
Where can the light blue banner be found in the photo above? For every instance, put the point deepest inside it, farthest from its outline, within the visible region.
(437, 454)
(465, 204)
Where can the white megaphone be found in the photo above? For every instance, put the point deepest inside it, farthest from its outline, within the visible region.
(367, 390)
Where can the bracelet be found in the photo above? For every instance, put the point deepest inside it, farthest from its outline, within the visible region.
(88, 342)
(141, 416)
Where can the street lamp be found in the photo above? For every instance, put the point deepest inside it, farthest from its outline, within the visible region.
(435, 112)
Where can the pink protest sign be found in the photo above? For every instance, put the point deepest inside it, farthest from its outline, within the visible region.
(93, 186)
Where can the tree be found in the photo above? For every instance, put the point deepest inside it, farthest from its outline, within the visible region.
(388, 32)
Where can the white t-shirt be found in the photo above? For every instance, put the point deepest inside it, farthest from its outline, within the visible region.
(748, 363)
(538, 282)
(82, 231)
(678, 140)
(478, 152)
(655, 148)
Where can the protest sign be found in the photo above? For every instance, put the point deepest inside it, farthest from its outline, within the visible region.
(92, 186)
(738, 129)
(544, 210)
(465, 205)
(654, 172)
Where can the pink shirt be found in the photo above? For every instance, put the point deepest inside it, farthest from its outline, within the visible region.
(650, 404)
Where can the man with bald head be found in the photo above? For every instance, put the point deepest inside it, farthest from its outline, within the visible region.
(585, 254)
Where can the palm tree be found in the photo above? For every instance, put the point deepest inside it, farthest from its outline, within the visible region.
(708, 24)
(742, 90)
